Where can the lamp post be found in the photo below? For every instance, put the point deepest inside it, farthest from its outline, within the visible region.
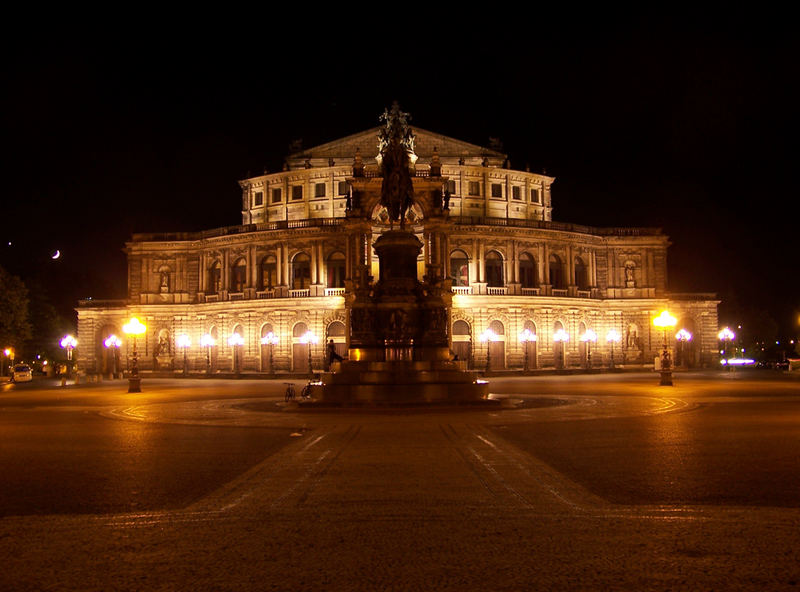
(726, 336)
(588, 338)
(134, 327)
(68, 342)
(665, 321)
(207, 341)
(270, 339)
(9, 353)
(526, 337)
(112, 344)
(183, 341)
(612, 337)
(682, 336)
(309, 338)
(562, 337)
(236, 341)
(488, 336)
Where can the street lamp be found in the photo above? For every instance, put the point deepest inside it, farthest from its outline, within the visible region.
(183, 341)
(112, 343)
(526, 337)
(488, 336)
(309, 338)
(588, 338)
(134, 327)
(208, 341)
(68, 342)
(235, 341)
(665, 321)
(271, 340)
(562, 337)
(612, 337)
(682, 336)
(9, 353)
(726, 336)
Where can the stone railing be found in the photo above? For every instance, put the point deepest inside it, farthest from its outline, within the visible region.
(265, 294)
(530, 291)
(299, 293)
(334, 291)
(92, 303)
(497, 290)
(550, 225)
(559, 292)
(463, 290)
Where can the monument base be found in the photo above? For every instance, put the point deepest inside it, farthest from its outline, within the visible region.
(400, 382)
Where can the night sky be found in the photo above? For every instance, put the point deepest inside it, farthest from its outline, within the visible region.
(691, 131)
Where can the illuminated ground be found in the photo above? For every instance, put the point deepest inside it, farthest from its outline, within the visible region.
(600, 482)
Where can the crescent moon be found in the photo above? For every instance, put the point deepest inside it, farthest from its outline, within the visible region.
(56, 255)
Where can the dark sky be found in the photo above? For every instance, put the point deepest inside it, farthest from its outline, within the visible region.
(693, 131)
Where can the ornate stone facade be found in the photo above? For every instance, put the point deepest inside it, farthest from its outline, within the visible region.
(306, 239)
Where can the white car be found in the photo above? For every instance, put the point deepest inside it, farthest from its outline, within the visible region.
(21, 373)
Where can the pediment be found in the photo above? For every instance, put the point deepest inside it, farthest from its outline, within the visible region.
(343, 149)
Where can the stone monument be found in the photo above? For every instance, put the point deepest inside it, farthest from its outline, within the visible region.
(399, 343)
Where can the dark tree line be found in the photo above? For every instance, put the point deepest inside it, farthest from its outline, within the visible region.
(28, 320)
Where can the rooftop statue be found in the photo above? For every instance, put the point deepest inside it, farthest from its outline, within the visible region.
(396, 144)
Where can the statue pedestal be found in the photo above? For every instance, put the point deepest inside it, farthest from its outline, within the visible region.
(401, 382)
(399, 350)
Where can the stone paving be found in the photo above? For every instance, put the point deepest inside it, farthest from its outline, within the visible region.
(404, 500)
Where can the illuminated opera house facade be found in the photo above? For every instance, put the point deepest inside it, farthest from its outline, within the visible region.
(588, 294)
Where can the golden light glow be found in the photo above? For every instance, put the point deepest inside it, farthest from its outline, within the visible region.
(269, 339)
(207, 341)
(612, 335)
(112, 341)
(68, 342)
(309, 337)
(183, 340)
(665, 320)
(528, 335)
(589, 335)
(7, 351)
(235, 339)
(488, 335)
(560, 335)
(726, 335)
(683, 335)
(134, 327)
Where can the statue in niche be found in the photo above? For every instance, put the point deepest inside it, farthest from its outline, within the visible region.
(396, 146)
(164, 287)
(632, 338)
(630, 280)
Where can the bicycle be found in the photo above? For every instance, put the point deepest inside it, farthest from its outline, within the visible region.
(306, 392)
(290, 393)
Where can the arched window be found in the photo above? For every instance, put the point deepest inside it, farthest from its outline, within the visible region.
(556, 270)
(497, 327)
(494, 269)
(461, 328)
(336, 329)
(267, 273)
(527, 271)
(299, 330)
(581, 274)
(301, 272)
(459, 268)
(336, 270)
(530, 326)
(238, 275)
(214, 278)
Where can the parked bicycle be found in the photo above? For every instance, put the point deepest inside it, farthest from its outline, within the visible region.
(290, 392)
